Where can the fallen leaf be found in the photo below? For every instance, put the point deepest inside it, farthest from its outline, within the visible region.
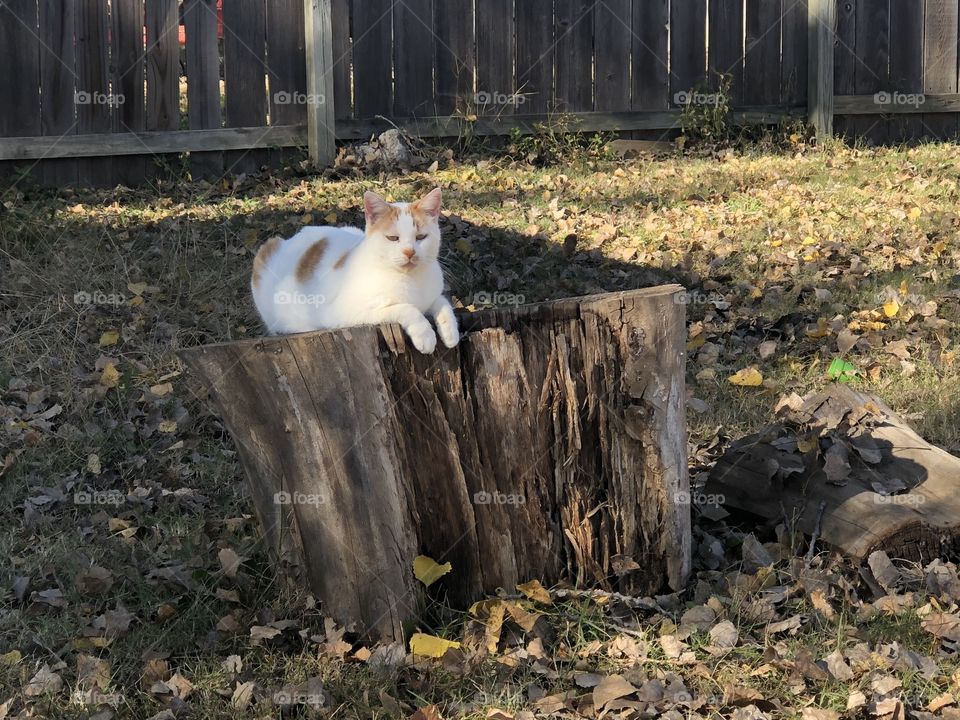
(428, 571)
(109, 338)
(430, 645)
(748, 377)
(535, 591)
(229, 561)
(611, 688)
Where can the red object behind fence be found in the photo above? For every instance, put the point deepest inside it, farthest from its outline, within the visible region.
(183, 30)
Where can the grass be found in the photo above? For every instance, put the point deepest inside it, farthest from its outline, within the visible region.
(761, 231)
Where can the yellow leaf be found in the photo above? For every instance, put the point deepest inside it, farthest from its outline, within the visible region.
(11, 658)
(331, 218)
(820, 330)
(136, 301)
(748, 377)
(110, 376)
(167, 426)
(535, 591)
(914, 213)
(890, 309)
(109, 338)
(430, 645)
(137, 288)
(161, 389)
(428, 571)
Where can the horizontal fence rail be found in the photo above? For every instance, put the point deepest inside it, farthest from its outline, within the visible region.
(106, 91)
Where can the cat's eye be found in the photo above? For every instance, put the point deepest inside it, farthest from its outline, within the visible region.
(421, 237)
(393, 238)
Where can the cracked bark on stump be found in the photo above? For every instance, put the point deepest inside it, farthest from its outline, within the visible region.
(550, 444)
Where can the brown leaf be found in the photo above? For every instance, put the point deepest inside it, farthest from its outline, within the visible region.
(243, 695)
(229, 561)
(44, 682)
(611, 688)
(943, 625)
(92, 671)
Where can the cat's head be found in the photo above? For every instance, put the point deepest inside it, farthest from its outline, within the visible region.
(403, 235)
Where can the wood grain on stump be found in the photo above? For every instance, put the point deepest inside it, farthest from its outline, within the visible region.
(550, 444)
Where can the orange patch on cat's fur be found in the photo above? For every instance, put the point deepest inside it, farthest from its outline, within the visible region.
(310, 259)
(343, 260)
(386, 220)
(421, 218)
(264, 254)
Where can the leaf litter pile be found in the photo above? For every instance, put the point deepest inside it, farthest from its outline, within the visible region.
(135, 583)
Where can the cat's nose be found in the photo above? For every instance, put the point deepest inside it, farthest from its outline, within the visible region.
(409, 252)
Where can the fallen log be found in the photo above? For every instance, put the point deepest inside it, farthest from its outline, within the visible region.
(847, 461)
(550, 445)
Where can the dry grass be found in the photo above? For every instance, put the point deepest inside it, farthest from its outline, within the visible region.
(754, 236)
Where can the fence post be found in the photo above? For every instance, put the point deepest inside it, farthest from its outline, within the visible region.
(821, 24)
(321, 119)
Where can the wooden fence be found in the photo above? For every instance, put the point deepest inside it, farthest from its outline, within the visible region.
(101, 89)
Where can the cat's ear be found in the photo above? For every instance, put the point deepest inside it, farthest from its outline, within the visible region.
(374, 207)
(430, 203)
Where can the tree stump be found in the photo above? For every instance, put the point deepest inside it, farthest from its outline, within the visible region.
(550, 445)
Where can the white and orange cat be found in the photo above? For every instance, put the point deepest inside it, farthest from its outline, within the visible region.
(333, 277)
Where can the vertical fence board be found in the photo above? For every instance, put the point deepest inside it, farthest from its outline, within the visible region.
(761, 60)
(871, 74)
(688, 22)
(244, 76)
(725, 56)
(20, 48)
(93, 82)
(535, 54)
(286, 60)
(906, 65)
(940, 62)
(612, 53)
(845, 58)
(413, 56)
(651, 71)
(372, 57)
(128, 81)
(496, 49)
(58, 83)
(574, 31)
(163, 65)
(203, 81)
(342, 52)
(793, 68)
(455, 61)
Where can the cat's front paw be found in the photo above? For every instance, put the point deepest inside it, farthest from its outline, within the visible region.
(448, 332)
(447, 327)
(423, 337)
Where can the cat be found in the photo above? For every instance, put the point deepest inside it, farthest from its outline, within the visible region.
(333, 277)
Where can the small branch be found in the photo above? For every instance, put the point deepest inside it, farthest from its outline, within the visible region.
(816, 532)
